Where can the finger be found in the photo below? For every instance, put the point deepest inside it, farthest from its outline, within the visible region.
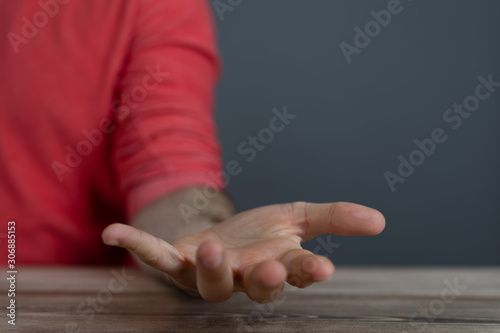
(264, 282)
(304, 267)
(151, 250)
(214, 277)
(340, 218)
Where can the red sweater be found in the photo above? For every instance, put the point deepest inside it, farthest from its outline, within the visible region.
(105, 106)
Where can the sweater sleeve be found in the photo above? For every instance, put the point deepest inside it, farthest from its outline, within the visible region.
(165, 136)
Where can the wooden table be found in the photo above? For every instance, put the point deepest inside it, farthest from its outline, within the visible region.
(363, 299)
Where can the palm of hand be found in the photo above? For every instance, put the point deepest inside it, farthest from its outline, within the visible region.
(258, 250)
(248, 238)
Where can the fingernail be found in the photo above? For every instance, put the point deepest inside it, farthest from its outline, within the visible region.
(212, 262)
(113, 242)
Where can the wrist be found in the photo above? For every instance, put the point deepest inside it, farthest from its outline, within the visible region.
(184, 212)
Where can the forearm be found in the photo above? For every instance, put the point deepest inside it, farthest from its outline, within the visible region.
(182, 213)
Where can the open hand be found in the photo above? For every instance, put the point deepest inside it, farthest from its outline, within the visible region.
(254, 252)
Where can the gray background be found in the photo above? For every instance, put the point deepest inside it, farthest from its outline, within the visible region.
(355, 119)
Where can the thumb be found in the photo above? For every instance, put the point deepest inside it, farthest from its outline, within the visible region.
(339, 218)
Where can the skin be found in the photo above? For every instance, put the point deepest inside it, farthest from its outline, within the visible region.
(254, 252)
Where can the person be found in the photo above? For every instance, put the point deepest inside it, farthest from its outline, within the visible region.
(108, 141)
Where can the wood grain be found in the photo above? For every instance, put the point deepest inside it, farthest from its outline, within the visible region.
(356, 299)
